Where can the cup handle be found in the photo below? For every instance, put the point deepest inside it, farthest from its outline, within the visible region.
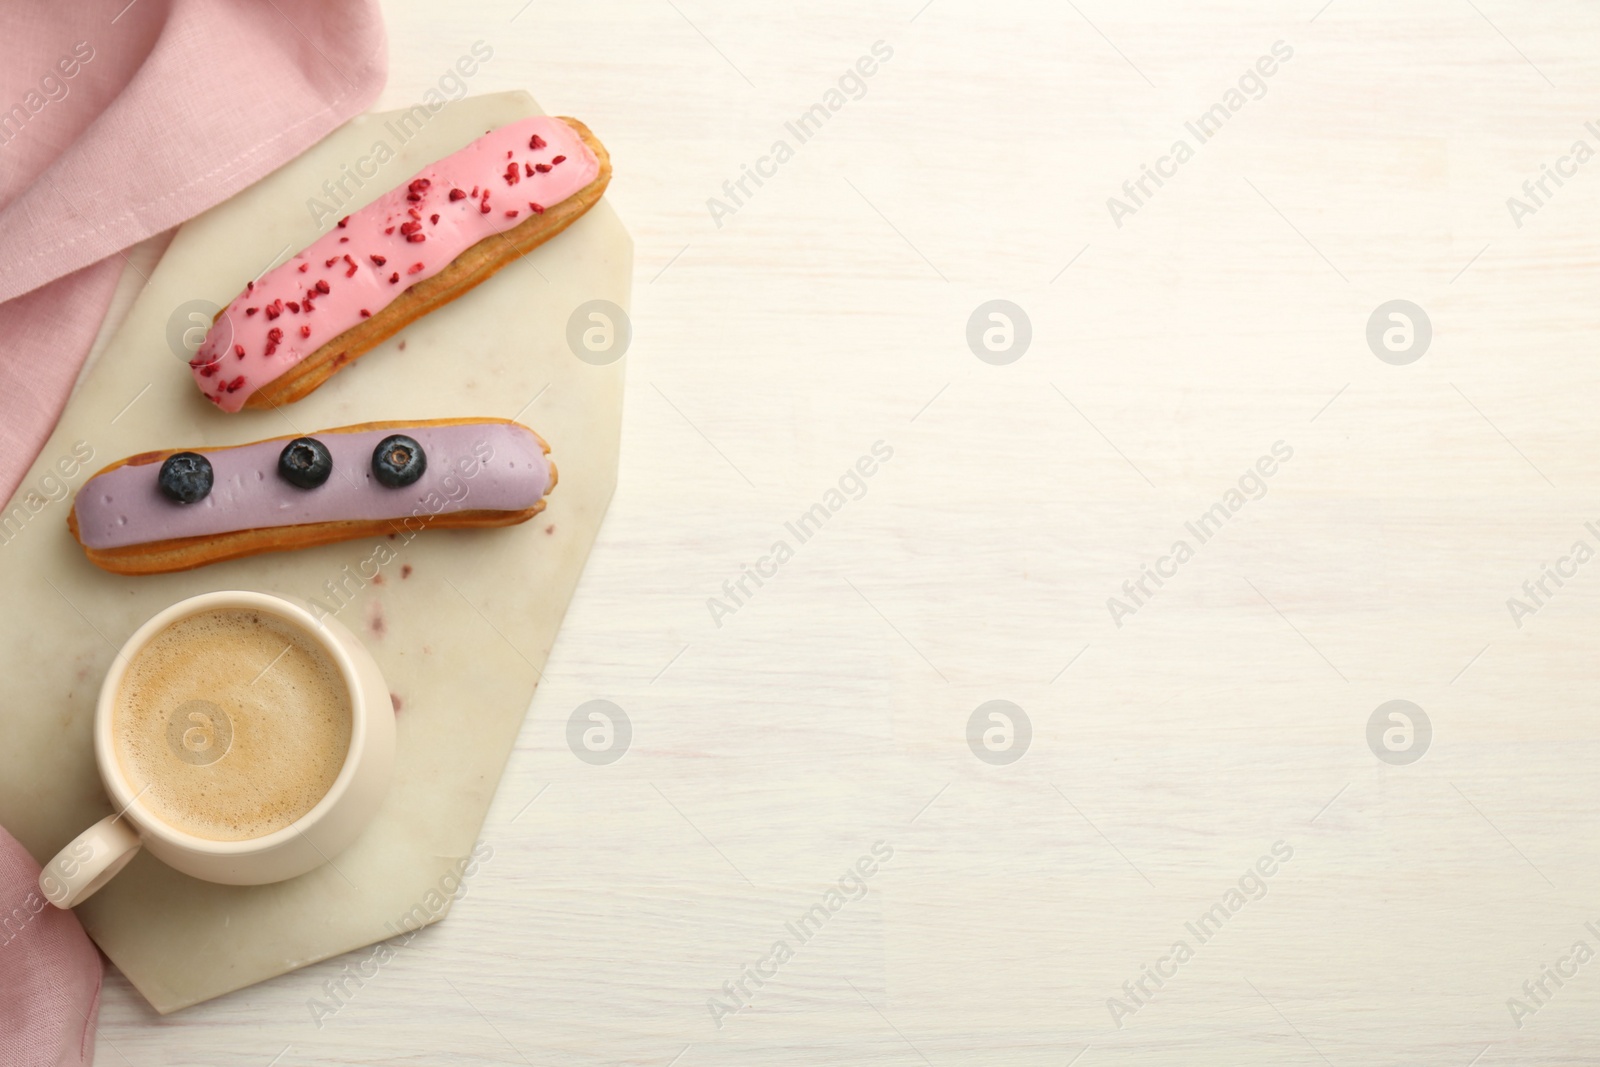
(78, 871)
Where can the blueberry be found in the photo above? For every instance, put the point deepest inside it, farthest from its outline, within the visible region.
(398, 461)
(305, 462)
(185, 477)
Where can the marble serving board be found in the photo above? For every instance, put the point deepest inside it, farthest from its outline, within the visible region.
(461, 621)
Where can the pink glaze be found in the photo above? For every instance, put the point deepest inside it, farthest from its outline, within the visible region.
(493, 466)
(416, 230)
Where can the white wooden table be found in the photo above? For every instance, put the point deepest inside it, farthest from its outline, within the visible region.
(776, 739)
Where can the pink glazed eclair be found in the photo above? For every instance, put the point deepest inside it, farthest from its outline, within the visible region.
(177, 509)
(414, 249)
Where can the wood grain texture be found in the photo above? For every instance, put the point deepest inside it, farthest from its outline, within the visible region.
(829, 711)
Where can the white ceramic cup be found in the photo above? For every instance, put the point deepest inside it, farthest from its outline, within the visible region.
(94, 856)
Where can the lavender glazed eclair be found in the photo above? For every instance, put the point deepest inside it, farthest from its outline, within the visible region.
(177, 509)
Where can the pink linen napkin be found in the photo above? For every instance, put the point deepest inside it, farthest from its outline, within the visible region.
(49, 972)
(120, 120)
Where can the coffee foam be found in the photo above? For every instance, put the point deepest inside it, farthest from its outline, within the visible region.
(231, 724)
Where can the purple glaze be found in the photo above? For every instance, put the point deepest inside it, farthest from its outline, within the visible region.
(508, 472)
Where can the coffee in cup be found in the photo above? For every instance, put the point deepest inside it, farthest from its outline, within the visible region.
(242, 738)
(231, 724)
